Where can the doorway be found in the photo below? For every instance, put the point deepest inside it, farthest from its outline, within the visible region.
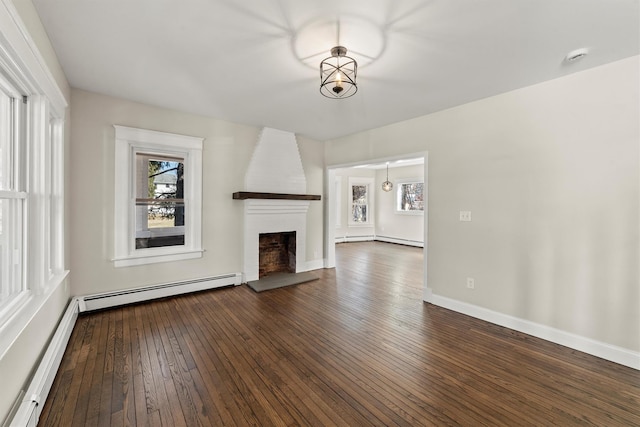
(339, 203)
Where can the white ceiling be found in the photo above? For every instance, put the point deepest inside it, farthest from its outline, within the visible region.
(256, 61)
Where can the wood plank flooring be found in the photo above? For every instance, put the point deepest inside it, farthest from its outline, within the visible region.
(356, 348)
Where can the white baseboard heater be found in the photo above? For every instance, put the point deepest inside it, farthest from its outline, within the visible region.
(350, 239)
(377, 238)
(146, 293)
(398, 241)
(32, 402)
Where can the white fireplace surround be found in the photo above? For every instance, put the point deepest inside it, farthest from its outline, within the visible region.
(273, 216)
(275, 167)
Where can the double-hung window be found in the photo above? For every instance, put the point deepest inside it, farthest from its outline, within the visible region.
(360, 201)
(159, 201)
(12, 198)
(32, 113)
(158, 198)
(31, 199)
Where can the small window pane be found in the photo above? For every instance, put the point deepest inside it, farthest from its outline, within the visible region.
(359, 213)
(359, 194)
(5, 253)
(10, 250)
(411, 196)
(6, 140)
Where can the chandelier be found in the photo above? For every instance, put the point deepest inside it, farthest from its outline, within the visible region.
(338, 74)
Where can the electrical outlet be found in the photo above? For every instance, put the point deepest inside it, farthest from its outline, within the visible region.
(465, 216)
(471, 284)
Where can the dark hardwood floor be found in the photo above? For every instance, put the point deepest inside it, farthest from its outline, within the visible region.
(357, 347)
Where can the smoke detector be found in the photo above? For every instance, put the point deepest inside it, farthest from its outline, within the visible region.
(577, 54)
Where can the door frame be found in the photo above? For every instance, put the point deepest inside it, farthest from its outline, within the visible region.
(330, 210)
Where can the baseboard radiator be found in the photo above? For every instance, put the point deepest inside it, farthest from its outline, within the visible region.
(30, 405)
(146, 293)
(398, 241)
(33, 400)
(351, 239)
(377, 238)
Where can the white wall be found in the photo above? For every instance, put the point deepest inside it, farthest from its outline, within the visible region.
(551, 175)
(389, 222)
(226, 154)
(312, 155)
(17, 363)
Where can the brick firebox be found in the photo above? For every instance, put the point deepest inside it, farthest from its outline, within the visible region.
(276, 253)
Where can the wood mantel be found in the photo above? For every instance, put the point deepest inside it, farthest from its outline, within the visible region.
(244, 195)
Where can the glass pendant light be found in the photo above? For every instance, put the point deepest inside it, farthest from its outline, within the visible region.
(387, 185)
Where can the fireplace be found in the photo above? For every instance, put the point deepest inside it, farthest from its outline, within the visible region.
(275, 203)
(271, 217)
(276, 253)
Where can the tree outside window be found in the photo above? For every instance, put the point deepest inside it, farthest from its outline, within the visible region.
(360, 204)
(159, 201)
(162, 174)
(410, 197)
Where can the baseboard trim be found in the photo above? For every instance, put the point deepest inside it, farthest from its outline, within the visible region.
(349, 239)
(605, 351)
(146, 293)
(376, 238)
(405, 242)
(28, 412)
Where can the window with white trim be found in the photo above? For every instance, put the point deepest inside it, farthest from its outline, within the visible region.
(12, 198)
(32, 114)
(360, 201)
(410, 197)
(31, 198)
(158, 197)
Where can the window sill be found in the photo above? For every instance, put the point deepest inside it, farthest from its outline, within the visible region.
(19, 320)
(148, 258)
(409, 212)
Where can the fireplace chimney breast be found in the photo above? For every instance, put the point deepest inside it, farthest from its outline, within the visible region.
(276, 166)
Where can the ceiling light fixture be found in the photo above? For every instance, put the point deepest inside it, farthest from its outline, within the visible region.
(338, 74)
(387, 185)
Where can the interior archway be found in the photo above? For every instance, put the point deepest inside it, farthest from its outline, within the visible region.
(332, 202)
